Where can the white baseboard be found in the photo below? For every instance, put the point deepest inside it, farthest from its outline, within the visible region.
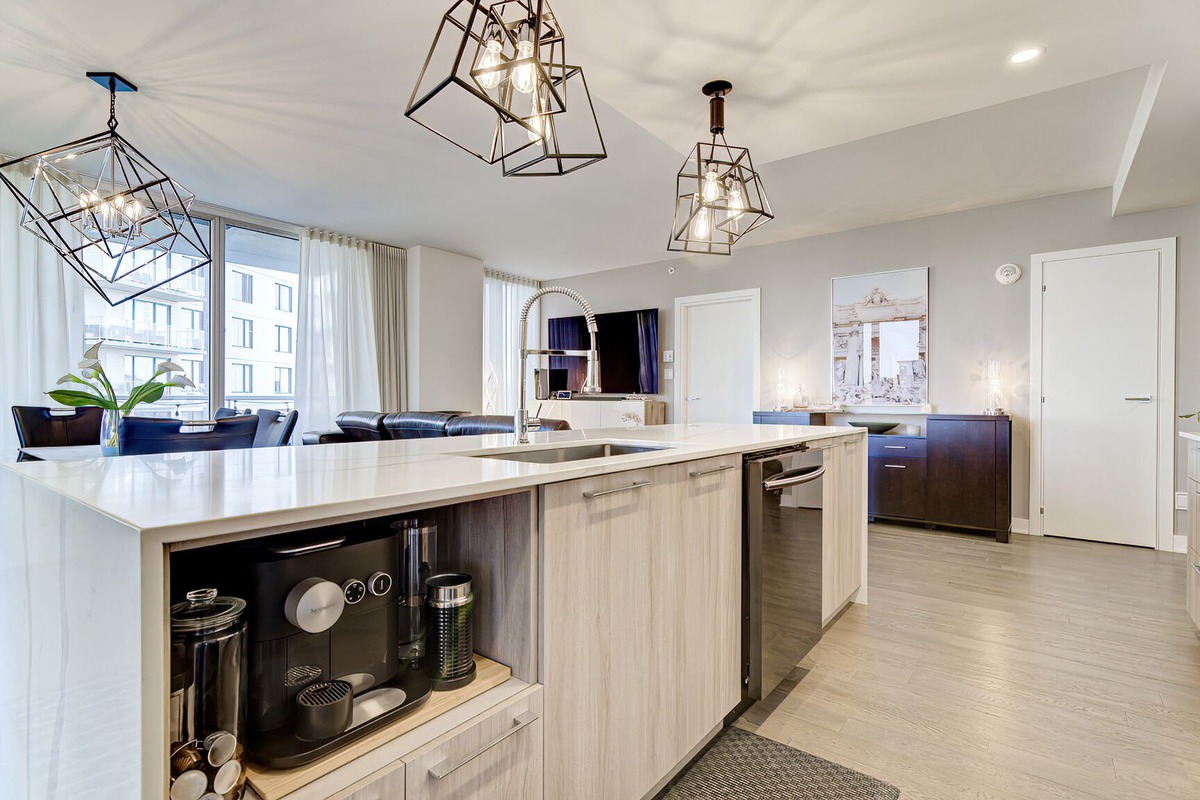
(1019, 525)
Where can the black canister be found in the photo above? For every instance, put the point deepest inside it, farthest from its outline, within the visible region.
(449, 601)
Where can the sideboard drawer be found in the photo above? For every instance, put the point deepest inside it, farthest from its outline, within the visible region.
(884, 446)
(497, 754)
(896, 487)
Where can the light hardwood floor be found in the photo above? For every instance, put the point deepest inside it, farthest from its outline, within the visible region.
(1043, 669)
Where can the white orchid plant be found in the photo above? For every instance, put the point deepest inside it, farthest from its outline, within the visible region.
(100, 392)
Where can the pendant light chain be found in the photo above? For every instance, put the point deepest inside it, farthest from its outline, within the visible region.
(112, 104)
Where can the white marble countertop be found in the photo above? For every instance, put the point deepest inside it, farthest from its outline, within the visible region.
(186, 496)
(1195, 437)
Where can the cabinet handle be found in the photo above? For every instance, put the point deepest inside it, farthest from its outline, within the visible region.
(713, 471)
(629, 488)
(894, 447)
(894, 466)
(443, 768)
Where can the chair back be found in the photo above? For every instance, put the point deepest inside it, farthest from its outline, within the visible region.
(225, 411)
(418, 424)
(362, 426)
(274, 428)
(146, 435)
(37, 427)
(479, 424)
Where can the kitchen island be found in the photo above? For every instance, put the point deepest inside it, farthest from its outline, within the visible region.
(609, 603)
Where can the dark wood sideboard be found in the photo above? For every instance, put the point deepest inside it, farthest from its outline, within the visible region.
(790, 418)
(958, 474)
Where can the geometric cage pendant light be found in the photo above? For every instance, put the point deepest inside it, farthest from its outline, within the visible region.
(115, 218)
(495, 83)
(719, 197)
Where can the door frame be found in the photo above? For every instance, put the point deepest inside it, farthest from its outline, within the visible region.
(682, 306)
(1165, 391)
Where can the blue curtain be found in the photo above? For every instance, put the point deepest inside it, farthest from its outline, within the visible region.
(647, 322)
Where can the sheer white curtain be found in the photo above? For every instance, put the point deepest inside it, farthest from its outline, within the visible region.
(503, 296)
(388, 266)
(337, 367)
(41, 318)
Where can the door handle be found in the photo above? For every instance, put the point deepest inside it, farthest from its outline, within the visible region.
(629, 488)
(1142, 399)
(442, 769)
(894, 466)
(714, 471)
(690, 398)
(894, 447)
(791, 478)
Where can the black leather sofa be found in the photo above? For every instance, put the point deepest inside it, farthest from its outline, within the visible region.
(373, 426)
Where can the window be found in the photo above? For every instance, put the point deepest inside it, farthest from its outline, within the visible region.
(242, 332)
(194, 369)
(241, 378)
(142, 332)
(242, 285)
(283, 380)
(273, 261)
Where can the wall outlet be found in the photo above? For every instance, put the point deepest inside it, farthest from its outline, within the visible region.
(668, 356)
(668, 374)
(1181, 501)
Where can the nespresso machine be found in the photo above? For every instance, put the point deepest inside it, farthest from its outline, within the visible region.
(324, 642)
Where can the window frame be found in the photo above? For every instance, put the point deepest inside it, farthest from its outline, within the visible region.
(291, 379)
(247, 371)
(247, 281)
(291, 339)
(291, 297)
(247, 337)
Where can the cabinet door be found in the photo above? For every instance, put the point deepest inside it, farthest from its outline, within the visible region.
(598, 645)
(388, 787)
(841, 547)
(1193, 515)
(962, 472)
(702, 615)
(498, 754)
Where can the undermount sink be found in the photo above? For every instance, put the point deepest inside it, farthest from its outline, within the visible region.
(578, 452)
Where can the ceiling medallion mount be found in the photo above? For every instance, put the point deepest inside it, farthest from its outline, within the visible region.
(719, 196)
(496, 82)
(114, 217)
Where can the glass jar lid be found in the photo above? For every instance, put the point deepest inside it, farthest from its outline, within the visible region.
(205, 611)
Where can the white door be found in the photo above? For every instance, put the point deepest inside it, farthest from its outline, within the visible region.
(1100, 384)
(717, 341)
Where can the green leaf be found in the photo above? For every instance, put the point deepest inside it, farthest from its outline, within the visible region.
(77, 399)
(148, 392)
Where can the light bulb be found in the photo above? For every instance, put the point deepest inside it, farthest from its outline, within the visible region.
(538, 120)
(700, 227)
(490, 59)
(524, 77)
(712, 187)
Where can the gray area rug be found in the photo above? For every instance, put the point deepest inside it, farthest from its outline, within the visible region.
(742, 765)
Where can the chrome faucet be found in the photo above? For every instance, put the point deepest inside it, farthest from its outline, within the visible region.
(522, 424)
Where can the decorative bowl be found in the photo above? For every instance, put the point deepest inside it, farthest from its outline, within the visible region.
(873, 426)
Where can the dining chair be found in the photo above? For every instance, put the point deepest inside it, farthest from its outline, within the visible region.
(146, 435)
(274, 427)
(38, 427)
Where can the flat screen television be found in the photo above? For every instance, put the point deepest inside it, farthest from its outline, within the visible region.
(628, 345)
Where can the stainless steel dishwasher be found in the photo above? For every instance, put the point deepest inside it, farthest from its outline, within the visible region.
(782, 519)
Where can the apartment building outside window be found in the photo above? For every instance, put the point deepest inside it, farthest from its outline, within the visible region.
(241, 378)
(242, 332)
(283, 339)
(283, 380)
(283, 297)
(242, 284)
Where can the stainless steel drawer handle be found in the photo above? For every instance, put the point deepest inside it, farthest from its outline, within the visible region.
(787, 479)
(308, 548)
(444, 768)
(629, 488)
(894, 466)
(713, 471)
(1141, 399)
(894, 447)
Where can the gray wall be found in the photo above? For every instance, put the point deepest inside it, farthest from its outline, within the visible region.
(443, 330)
(972, 317)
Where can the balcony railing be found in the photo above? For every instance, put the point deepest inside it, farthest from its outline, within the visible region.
(175, 337)
(192, 284)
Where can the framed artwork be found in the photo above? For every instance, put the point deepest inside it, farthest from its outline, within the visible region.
(880, 338)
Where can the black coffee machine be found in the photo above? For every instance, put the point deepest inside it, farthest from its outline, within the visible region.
(323, 643)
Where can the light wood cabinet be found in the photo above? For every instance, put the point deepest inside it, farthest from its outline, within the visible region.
(498, 754)
(388, 787)
(1192, 579)
(641, 622)
(843, 534)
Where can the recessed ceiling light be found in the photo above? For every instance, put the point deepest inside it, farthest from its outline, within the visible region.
(1026, 55)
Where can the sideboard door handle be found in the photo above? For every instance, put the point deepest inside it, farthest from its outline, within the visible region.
(894, 447)
(894, 466)
(442, 769)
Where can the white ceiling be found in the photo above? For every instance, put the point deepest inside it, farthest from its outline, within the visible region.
(856, 113)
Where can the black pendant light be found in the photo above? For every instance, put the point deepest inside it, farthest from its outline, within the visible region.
(495, 83)
(719, 196)
(108, 210)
